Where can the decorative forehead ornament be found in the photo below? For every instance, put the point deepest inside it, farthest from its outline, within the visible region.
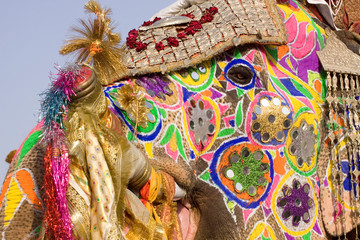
(170, 44)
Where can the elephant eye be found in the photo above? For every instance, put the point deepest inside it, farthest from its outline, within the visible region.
(240, 74)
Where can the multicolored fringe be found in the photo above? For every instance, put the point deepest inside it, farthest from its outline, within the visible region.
(343, 102)
(57, 220)
(56, 99)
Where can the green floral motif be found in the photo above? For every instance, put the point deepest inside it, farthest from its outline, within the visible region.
(247, 171)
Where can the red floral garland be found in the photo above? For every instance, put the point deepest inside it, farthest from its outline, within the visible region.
(191, 29)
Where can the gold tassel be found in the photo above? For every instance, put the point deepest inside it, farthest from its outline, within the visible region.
(334, 83)
(97, 44)
(352, 85)
(341, 83)
(346, 83)
(328, 82)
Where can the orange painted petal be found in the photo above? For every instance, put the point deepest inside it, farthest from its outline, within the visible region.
(267, 177)
(207, 93)
(318, 85)
(279, 164)
(5, 187)
(282, 51)
(341, 122)
(222, 77)
(258, 68)
(27, 184)
(266, 232)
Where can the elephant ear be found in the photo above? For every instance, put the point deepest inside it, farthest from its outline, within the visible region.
(355, 28)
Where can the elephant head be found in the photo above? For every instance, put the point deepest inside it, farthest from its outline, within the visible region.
(231, 99)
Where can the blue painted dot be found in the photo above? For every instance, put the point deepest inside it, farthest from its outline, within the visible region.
(281, 154)
(192, 155)
(232, 123)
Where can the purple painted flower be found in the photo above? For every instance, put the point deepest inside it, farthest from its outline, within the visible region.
(155, 86)
(296, 203)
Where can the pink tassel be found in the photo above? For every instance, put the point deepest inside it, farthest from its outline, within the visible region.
(66, 81)
(57, 217)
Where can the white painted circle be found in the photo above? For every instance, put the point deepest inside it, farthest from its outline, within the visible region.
(276, 101)
(257, 110)
(285, 110)
(265, 102)
(195, 75)
(230, 173)
(238, 186)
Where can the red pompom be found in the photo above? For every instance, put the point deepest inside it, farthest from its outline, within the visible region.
(172, 41)
(159, 46)
(189, 31)
(181, 35)
(131, 39)
(195, 24)
(206, 18)
(147, 23)
(212, 10)
(133, 33)
(131, 42)
(140, 46)
(156, 19)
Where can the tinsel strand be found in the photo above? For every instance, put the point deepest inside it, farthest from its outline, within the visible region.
(56, 161)
(57, 221)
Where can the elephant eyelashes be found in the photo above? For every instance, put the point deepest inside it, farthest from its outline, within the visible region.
(240, 74)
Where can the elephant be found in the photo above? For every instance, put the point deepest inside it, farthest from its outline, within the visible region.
(248, 109)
